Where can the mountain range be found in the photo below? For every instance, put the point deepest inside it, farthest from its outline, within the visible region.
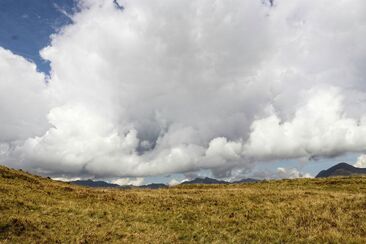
(206, 180)
(103, 184)
(341, 169)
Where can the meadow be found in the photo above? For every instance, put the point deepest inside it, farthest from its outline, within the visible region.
(37, 209)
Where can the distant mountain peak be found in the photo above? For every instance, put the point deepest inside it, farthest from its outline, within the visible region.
(341, 169)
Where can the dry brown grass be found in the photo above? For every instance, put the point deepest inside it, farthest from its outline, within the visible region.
(35, 209)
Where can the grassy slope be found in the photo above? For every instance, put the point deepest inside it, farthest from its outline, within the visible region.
(307, 210)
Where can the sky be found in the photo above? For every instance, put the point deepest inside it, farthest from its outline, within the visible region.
(139, 91)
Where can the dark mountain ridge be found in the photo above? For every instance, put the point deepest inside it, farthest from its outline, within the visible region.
(154, 186)
(208, 180)
(91, 183)
(341, 169)
(103, 184)
(205, 180)
(246, 180)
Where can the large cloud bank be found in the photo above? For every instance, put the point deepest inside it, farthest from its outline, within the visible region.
(177, 86)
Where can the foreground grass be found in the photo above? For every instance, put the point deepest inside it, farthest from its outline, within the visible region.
(35, 209)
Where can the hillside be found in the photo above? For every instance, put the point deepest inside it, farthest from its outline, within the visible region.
(36, 209)
(341, 169)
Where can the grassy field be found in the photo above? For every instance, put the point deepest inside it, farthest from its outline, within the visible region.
(35, 209)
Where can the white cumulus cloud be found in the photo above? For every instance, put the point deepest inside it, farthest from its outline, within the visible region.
(361, 161)
(292, 173)
(23, 101)
(320, 127)
(172, 86)
(128, 181)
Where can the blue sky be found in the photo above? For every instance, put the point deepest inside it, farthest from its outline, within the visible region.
(26, 26)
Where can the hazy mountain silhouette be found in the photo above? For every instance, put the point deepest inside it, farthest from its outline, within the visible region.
(91, 183)
(204, 181)
(247, 180)
(154, 186)
(103, 184)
